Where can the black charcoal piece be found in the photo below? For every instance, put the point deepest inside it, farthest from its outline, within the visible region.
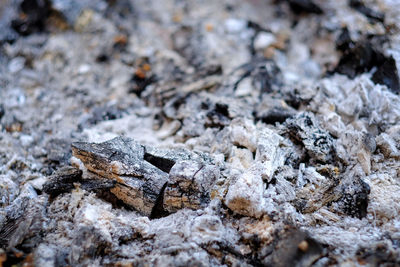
(354, 199)
(387, 74)
(189, 185)
(2, 111)
(365, 55)
(140, 83)
(318, 142)
(33, 15)
(138, 182)
(58, 150)
(88, 244)
(304, 6)
(371, 14)
(62, 181)
(293, 247)
(274, 115)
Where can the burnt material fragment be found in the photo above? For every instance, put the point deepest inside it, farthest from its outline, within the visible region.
(354, 200)
(382, 255)
(88, 244)
(142, 77)
(58, 151)
(24, 226)
(189, 185)
(358, 59)
(139, 183)
(97, 185)
(105, 113)
(62, 181)
(304, 6)
(167, 157)
(2, 111)
(319, 143)
(32, 17)
(12, 219)
(344, 40)
(274, 115)
(388, 75)
(163, 164)
(371, 14)
(218, 116)
(266, 75)
(140, 82)
(363, 56)
(293, 248)
(152, 181)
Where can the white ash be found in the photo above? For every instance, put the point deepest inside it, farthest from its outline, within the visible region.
(278, 141)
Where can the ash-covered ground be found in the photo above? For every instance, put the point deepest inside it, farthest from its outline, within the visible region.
(199, 133)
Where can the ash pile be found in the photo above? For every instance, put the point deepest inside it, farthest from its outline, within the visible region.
(199, 133)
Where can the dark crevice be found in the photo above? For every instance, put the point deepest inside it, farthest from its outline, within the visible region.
(158, 210)
(162, 163)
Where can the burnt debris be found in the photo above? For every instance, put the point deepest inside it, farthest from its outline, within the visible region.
(304, 6)
(373, 15)
(319, 144)
(266, 77)
(239, 144)
(365, 55)
(387, 74)
(144, 176)
(62, 181)
(32, 16)
(355, 194)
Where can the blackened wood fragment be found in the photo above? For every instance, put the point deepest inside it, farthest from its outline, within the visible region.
(138, 182)
(304, 6)
(372, 15)
(293, 247)
(62, 181)
(388, 75)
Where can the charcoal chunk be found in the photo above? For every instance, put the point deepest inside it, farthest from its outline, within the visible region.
(364, 55)
(2, 111)
(265, 75)
(189, 185)
(163, 164)
(344, 40)
(374, 16)
(58, 151)
(105, 113)
(62, 181)
(381, 255)
(218, 116)
(304, 6)
(87, 244)
(32, 17)
(274, 115)
(140, 83)
(358, 59)
(97, 185)
(354, 200)
(319, 143)
(294, 247)
(24, 228)
(387, 74)
(138, 182)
